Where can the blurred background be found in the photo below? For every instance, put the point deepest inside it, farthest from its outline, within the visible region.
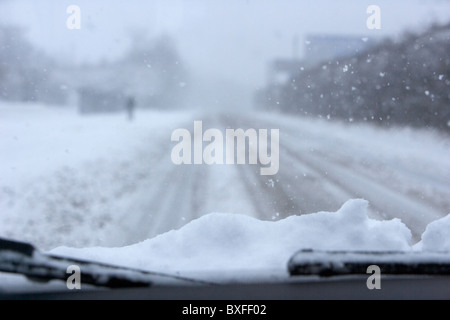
(86, 114)
(196, 54)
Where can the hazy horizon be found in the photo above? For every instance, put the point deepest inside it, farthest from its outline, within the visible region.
(206, 38)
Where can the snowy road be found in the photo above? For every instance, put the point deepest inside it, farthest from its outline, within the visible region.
(123, 188)
(322, 166)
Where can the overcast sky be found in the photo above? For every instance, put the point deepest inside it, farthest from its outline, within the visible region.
(231, 39)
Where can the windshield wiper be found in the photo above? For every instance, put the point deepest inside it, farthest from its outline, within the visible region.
(336, 263)
(24, 259)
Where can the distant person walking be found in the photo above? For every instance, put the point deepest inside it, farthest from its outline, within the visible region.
(130, 105)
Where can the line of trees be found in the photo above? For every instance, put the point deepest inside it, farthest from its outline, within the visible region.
(403, 83)
(25, 74)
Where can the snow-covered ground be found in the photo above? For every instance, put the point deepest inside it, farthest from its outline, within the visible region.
(76, 180)
(68, 182)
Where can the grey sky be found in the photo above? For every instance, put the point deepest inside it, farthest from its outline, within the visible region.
(231, 39)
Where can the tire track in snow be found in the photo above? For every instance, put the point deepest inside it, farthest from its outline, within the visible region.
(387, 202)
(176, 200)
(269, 198)
(145, 215)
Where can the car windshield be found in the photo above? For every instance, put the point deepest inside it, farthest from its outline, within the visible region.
(220, 137)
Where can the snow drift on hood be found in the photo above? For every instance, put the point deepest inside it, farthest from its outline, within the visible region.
(231, 242)
(436, 236)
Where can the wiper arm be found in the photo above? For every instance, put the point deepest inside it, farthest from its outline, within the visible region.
(23, 258)
(336, 263)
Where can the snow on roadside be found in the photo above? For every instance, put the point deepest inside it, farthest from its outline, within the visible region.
(233, 243)
(36, 139)
(61, 173)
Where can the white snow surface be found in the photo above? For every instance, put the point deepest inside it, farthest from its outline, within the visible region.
(86, 186)
(66, 178)
(230, 243)
(436, 236)
(238, 242)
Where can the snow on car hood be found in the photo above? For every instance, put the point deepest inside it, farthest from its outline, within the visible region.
(233, 242)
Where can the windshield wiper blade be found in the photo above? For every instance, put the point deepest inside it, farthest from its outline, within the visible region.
(23, 258)
(335, 263)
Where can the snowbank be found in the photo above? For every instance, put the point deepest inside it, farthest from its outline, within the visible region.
(231, 242)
